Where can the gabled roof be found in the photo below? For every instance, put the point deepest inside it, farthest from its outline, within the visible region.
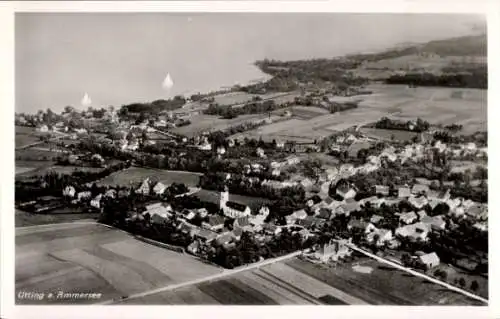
(224, 238)
(242, 221)
(431, 258)
(404, 192)
(236, 206)
(206, 234)
(215, 220)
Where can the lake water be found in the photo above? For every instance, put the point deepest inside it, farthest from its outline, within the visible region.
(123, 58)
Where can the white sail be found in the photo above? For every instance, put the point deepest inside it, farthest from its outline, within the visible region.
(168, 83)
(86, 101)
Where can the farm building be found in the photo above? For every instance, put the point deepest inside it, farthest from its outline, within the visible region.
(429, 260)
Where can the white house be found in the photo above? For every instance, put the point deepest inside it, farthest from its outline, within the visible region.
(429, 260)
(159, 188)
(144, 188)
(205, 147)
(280, 144)
(346, 192)
(260, 152)
(408, 218)
(417, 231)
(96, 202)
(221, 150)
(384, 236)
(43, 128)
(69, 191)
(83, 195)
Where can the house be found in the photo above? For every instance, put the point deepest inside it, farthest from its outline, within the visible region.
(221, 150)
(276, 172)
(478, 212)
(271, 229)
(333, 250)
(214, 223)
(382, 236)
(280, 144)
(306, 183)
(243, 223)
(345, 191)
(189, 214)
(230, 143)
(441, 196)
(159, 209)
(96, 202)
(205, 147)
(324, 213)
(224, 238)
(361, 225)
(194, 247)
(418, 202)
(482, 226)
(429, 260)
(205, 235)
(83, 195)
(375, 219)
(308, 222)
(435, 222)
(69, 191)
(144, 188)
(43, 128)
(421, 214)
(260, 152)
(382, 190)
(404, 192)
(292, 160)
(188, 229)
(348, 207)
(111, 193)
(408, 218)
(417, 231)
(202, 212)
(331, 173)
(159, 188)
(420, 189)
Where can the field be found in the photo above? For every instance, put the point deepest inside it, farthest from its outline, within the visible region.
(387, 134)
(233, 98)
(45, 169)
(135, 175)
(383, 286)
(436, 105)
(302, 283)
(35, 154)
(25, 136)
(95, 258)
(23, 218)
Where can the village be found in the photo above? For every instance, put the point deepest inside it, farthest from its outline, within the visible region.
(341, 205)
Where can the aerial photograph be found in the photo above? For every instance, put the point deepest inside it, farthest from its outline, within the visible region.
(206, 158)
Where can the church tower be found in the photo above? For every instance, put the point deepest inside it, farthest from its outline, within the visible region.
(224, 197)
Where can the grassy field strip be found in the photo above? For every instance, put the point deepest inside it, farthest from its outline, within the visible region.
(122, 278)
(281, 295)
(76, 232)
(179, 267)
(310, 284)
(42, 228)
(48, 276)
(418, 274)
(287, 286)
(39, 265)
(207, 278)
(81, 242)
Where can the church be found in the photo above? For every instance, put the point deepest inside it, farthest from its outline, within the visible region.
(232, 209)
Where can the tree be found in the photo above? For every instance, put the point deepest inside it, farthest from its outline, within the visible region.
(474, 286)
(461, 282)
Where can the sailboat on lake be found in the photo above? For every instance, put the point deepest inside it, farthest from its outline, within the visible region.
(86, 101)
(168, 83)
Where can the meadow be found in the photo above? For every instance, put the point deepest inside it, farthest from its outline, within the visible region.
(135, 175)
(95, 258)
(436, 105)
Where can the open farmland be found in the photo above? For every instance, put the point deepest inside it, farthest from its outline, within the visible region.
(387, 134)
(135, 175)
(25, 136)
(59, 169)
(383, 285)
(436, 105)
(232, 98)
(205, 123)
(94, 258)
(23, 218)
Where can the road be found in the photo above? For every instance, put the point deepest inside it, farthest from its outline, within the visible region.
(419, 274)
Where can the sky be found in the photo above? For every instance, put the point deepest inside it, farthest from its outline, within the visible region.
(120, 58)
